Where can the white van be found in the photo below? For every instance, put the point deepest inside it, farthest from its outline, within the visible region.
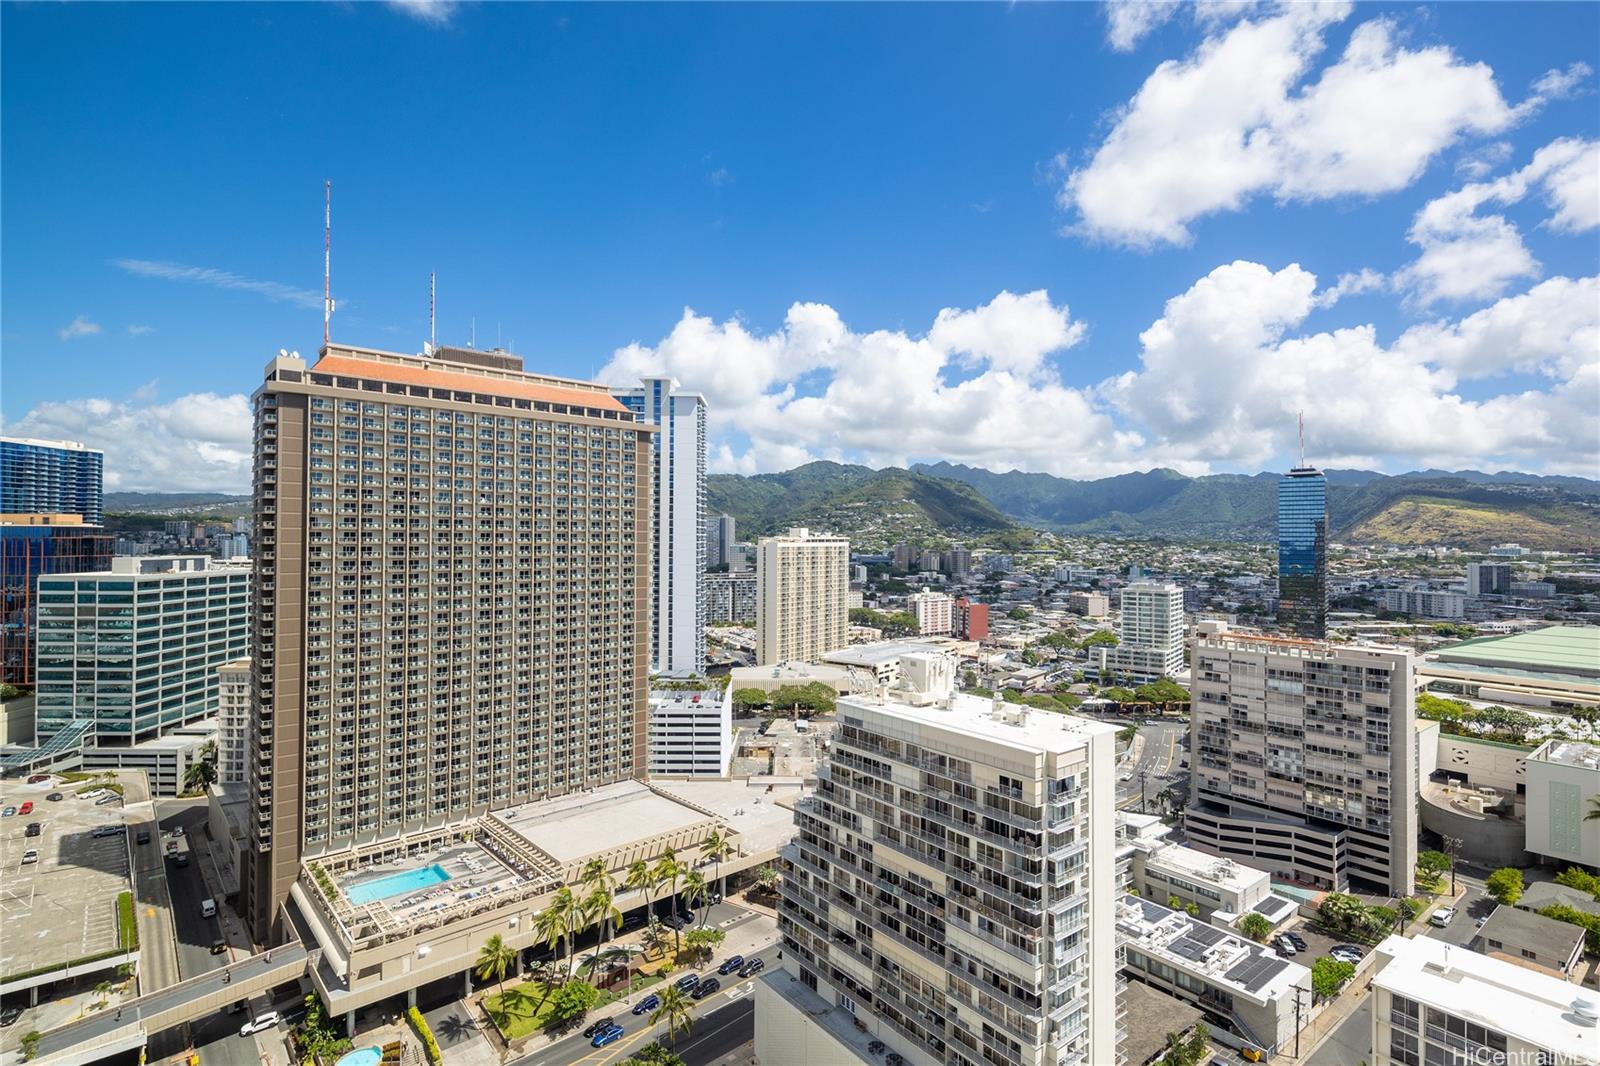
(208, 908)
(260, 1023)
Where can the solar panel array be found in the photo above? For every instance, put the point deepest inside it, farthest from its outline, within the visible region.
(1255, 972)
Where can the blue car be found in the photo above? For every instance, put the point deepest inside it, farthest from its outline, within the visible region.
(648, 1004)
(687, 982)
(730, 965)
(607, 1036)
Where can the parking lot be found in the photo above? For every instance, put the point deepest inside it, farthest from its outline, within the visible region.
(1317, 943)
(62, 906)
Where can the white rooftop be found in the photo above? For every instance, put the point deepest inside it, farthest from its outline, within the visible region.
(1523, 1004)
(569, 828)
(1202, 867)
(988, 720)
(882, 651)
(1569, 753)
(1219, 957)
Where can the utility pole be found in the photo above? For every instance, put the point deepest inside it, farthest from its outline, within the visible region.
(1144, 775)
(1452, 844)
(1297, 991)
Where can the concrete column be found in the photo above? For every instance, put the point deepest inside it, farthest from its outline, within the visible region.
(466, 983)
(350, 1023)
(411, 997)
(33, 996)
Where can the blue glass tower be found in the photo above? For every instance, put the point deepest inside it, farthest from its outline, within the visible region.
(1303, 552)
(51, 477)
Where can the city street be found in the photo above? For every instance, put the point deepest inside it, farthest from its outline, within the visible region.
(1160, 762)
(1350, 1043)
(722, 1022)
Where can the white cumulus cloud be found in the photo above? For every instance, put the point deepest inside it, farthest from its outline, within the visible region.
(200, 442)
(436, 12)
(1243, 116)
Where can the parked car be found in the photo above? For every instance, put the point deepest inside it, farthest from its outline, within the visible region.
(110, 831)
(144, 836)
(219, 947)
(38, 778)
(8, 812)
(1441, 917)
(752, 966)
(9, 1016)
(1298, 941)
(731, 964)
(647, 1004)
(675, 921)
(30, 856)
(26, 808)
(33, 830)
(599, 1026)
(608, 1036)
(1285, 945)
(55, 797)
(1348, 949)
(109, 798)
(686, 982)
(705, 988)
(260, 1023)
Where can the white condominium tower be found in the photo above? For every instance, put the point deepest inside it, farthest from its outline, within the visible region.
(1304, 758)
(950, 892)
(802, 596)
(1149, 632)
(678, 523)
(935, 612)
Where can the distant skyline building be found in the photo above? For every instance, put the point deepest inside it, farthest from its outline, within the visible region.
(1489, 578)
(934, 611)
(52, 477)
(802, 596)
(32, 546)
(958, 561)
(678, 527)
(1303, 552)
(1150, 632)
(720, 538)
(731, 597)
(451, 573)
(971, 620)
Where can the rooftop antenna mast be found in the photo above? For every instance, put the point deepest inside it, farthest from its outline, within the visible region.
(433, 332)
(327, 247)
(1302, 440)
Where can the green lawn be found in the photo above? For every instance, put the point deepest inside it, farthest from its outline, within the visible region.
(525, 1009)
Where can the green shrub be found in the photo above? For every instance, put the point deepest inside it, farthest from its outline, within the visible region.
(430, 1046)
(127, 924)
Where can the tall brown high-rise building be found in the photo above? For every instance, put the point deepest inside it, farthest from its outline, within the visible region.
(452, 569)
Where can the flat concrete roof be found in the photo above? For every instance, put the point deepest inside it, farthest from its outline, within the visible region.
(1559, 649)
(1569, 753)
(1552, 941)
(571, 828)
(989, 720)
(1532, 1007)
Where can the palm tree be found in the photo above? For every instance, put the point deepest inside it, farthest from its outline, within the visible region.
(599, 907)
(1594, 810)
(667, 870)
(548, 925)
(494, 959)
(767, 878)
(695, 891)
(675, 1010)
(598, 880)
(717, 847)
(654, 939)
(572, 915)
(640, 879)
(200, 775)
(103, 990)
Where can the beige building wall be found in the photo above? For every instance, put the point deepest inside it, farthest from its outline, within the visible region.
(802, 596)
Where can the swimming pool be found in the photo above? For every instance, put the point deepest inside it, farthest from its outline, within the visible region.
(367, 1056)
(396, 884)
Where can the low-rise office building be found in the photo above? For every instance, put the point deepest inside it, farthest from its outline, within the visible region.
(690, 733)
(1209, 882)
(1434, 1003)
(1554, 666)
(1562, 778)
(1241, 984)
(1425, 602)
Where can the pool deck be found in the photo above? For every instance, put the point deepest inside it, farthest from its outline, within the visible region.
(472, 873)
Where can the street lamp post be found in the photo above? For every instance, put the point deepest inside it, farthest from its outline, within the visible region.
(1453, 844)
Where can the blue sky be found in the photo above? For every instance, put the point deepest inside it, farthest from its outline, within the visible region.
(578, 176)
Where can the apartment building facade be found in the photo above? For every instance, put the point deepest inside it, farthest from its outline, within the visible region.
(52, 477)
(950, 889)
(134, 651)
(731, 597)
(1150, 632)
(691, 732)
(802, 596)
(721, 533)
(1436, 1005)
(678, 522)
(452, 575)
(233, 722)
(1304, 758)
(934, 611)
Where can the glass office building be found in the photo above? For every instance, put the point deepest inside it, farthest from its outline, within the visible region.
(51, 477)
(1303, 552)
(27, 551)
